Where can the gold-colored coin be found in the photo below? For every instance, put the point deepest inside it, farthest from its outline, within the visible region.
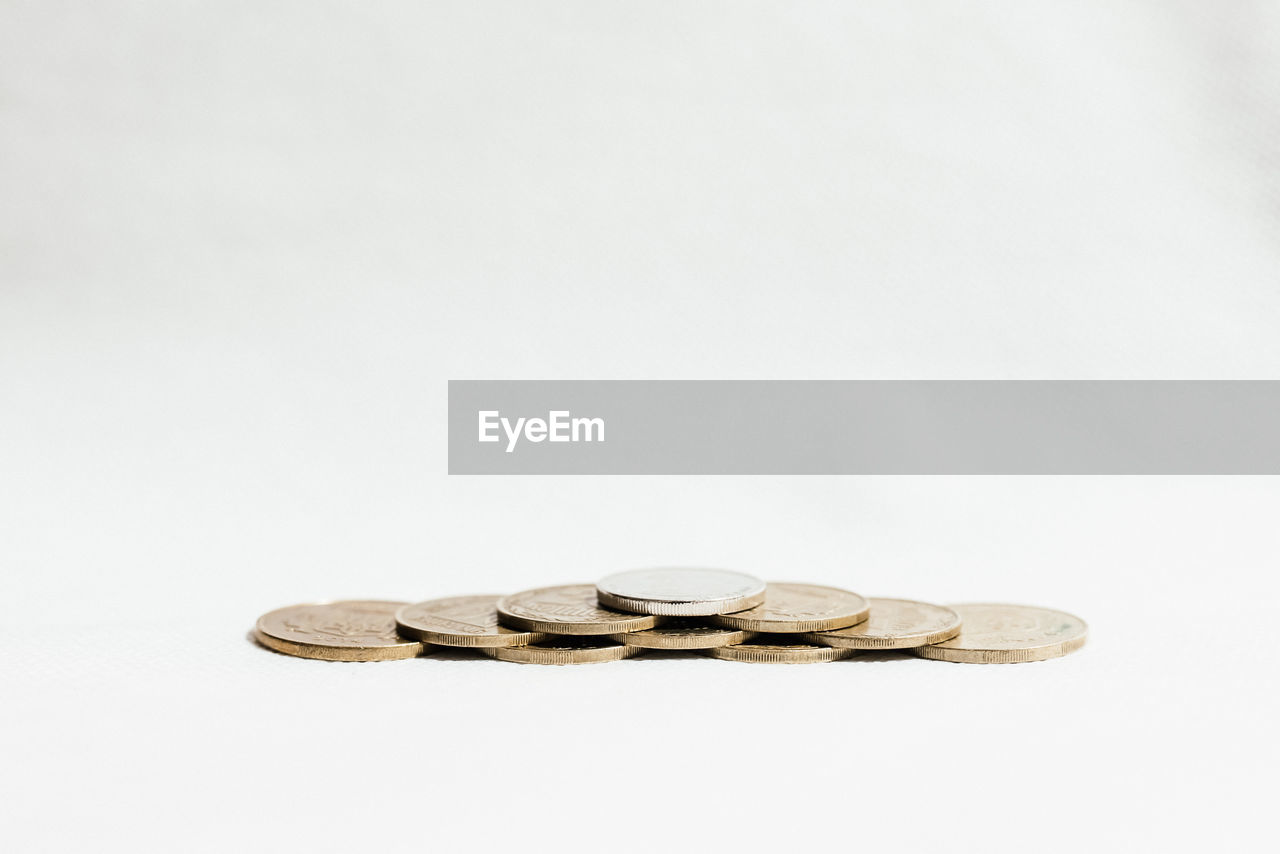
(778, 649)
(894, 624)
(683, 634)
(570, 609)
(579, 650)
(337, 631)
(470, 621)
(1006, 634)
(794, 608)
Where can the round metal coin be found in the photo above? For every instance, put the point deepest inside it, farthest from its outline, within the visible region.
(682, 634)
(337, 631)
(1005, 634)
(779, 649)
(680, 592)
(799, 608)
(470, 621)
(564, 651)
(569, 609)
(894, 624)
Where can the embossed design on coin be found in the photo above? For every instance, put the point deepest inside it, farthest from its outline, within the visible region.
(1007, 634)
(680, 592)
(569, 609)
(337, 631)
(564, 651)
(470, 621)
(791, 608)
(778, 649)
(894, 624)
(683, 634)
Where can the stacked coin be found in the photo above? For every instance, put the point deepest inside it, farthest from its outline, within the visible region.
(720, 613)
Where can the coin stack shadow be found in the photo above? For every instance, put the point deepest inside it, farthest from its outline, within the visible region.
(718, 613)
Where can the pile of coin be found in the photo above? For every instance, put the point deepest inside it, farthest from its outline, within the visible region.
(715, 612)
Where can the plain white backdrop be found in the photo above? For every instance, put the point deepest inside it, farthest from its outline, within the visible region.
(243, 246)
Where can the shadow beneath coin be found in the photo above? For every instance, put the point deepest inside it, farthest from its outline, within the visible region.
(252, 638)
(873, 656)
(454, 653)
(665, 655)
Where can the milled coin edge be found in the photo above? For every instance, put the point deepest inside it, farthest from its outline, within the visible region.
(460, 641)
(885, 643)
(869, 643)
(527, 655)
(1002, 656)
(457, 639)
(318, 652)
(630, 623)
(736, 621)
(700, 608)
(743, 653)
(682, 642)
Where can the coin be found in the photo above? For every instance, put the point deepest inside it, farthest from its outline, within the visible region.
(682, 634)
(569, 609)
(778, 649)
(564, 651)
(1002, 634)
(894, 624)
(337, 631)
(799, 608)
(460, 621)
(680, 592)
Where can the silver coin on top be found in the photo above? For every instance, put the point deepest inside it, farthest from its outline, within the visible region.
(678, 592)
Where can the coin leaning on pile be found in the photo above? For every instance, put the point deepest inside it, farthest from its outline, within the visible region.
(718, 613)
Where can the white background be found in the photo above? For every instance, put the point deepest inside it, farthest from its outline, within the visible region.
(244, 245)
